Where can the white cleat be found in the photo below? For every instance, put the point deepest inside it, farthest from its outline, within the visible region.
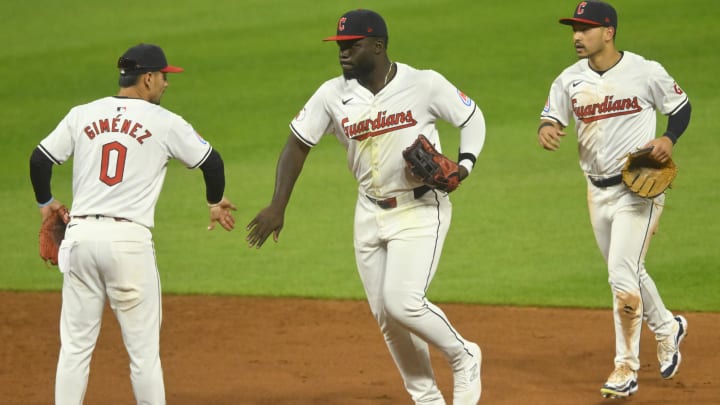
(668, 350)
(468, 386)
(621, 384)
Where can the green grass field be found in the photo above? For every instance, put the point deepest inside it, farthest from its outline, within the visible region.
(520, 234)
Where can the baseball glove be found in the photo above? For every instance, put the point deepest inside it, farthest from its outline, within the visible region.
(52, 232)
(647, 177)
(430, 166)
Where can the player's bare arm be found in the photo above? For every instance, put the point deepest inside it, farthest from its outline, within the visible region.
(271, 218)
(549, 134)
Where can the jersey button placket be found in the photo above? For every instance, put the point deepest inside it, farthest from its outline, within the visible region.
(375, 165)
(601, 89)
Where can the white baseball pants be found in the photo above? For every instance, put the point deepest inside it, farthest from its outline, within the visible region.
(397, 252)
(623, 224)
(105, 258)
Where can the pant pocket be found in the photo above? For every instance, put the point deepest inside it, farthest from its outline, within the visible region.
(64, 252)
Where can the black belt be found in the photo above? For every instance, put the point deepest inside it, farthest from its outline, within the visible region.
(98, 216)
(391, 202)
(605, 182)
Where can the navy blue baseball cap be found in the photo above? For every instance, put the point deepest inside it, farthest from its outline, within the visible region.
(357, 24)
(143, 58)
(594, 13)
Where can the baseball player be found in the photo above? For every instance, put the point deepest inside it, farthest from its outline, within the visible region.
(612, 95)
(121, 146)
(376, 109)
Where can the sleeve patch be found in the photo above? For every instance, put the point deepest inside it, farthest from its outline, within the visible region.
(677, 89)
(465, 99)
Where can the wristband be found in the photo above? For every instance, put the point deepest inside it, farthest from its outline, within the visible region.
(47, 203)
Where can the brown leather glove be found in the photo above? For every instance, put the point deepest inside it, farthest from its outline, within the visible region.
(52, 232)
(430, 166)
(647, 177)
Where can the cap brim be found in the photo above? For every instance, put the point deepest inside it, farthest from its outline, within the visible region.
(571, 21)
(171, 69)
(344, 37)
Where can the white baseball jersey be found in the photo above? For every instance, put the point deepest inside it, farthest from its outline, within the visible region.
(121, 148)
(614, 112)
(375, 129)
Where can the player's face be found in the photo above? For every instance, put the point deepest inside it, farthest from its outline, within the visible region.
(590, 40)
(157, 85)
(357, 57)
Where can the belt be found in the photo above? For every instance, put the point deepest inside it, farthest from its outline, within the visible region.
(603, 182)
(98, 216)
(392, 202)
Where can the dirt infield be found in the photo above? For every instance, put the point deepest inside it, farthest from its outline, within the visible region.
(234, 350)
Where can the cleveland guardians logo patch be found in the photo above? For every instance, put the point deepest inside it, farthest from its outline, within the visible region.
(581, 8)
(677, 89)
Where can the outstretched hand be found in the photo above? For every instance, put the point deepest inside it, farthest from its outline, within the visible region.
(269, 220)
(221, 213)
